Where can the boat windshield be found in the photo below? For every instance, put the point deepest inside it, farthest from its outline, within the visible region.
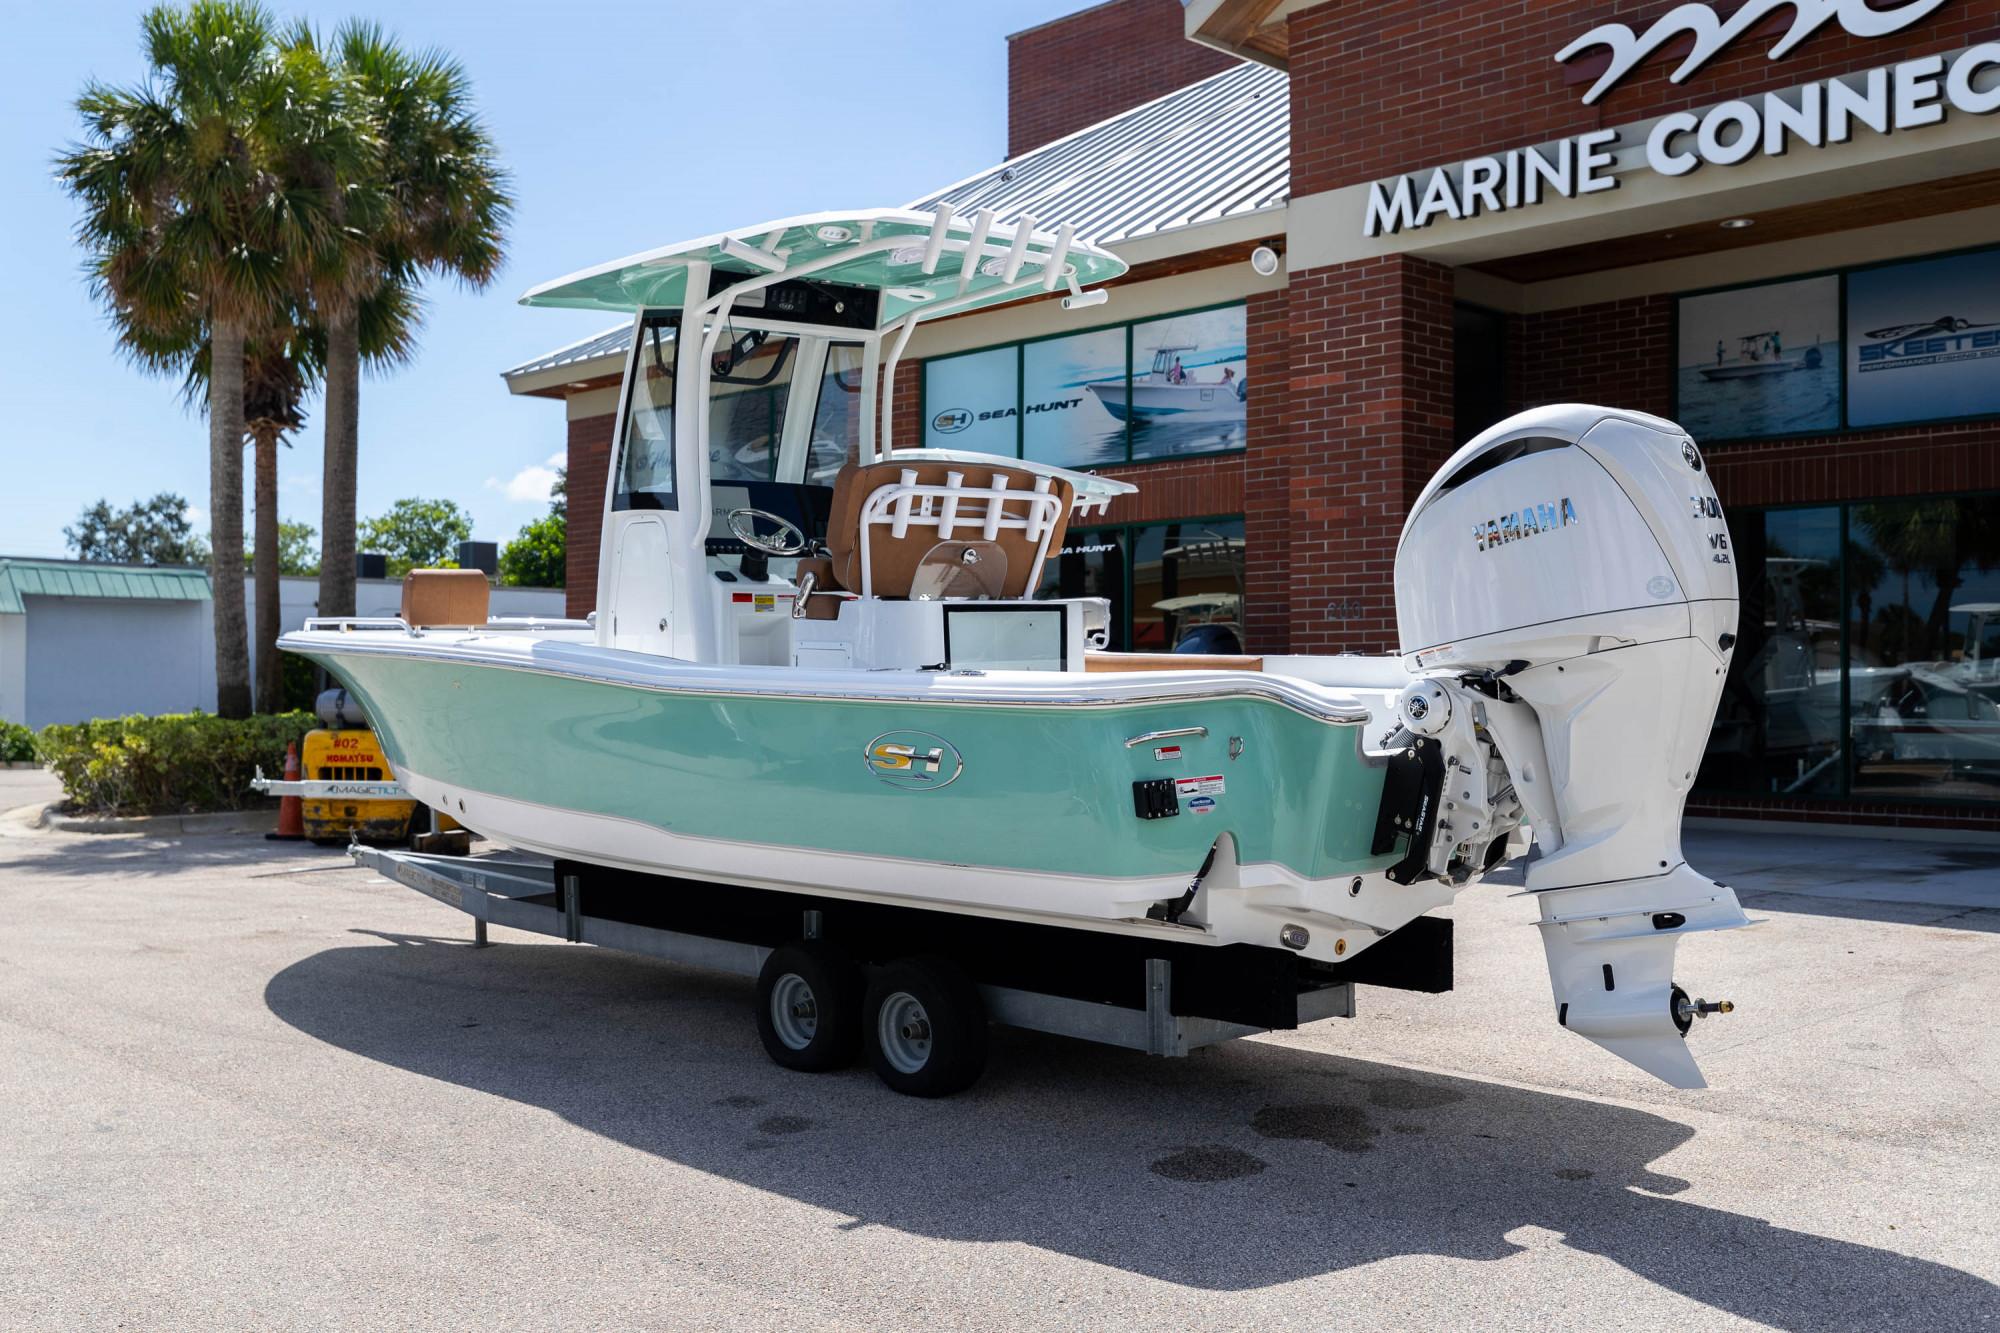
(646, 469)
(749, 392)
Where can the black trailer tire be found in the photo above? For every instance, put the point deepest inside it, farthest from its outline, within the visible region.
(925, 1027)
(809, 1007)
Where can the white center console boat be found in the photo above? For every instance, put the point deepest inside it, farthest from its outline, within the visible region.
(819, 687)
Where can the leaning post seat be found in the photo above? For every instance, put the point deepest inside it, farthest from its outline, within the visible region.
(889, 514)
(441, 597)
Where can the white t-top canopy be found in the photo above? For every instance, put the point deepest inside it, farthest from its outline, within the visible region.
(928, 262)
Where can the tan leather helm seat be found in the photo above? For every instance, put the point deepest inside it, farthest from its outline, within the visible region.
(893, 561)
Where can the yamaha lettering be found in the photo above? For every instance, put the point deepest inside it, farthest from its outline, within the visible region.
(1523, 523)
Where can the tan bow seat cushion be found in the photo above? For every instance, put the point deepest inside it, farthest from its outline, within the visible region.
(893, 561)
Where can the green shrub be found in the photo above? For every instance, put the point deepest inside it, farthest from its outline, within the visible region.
(17, 743)
(179, 763)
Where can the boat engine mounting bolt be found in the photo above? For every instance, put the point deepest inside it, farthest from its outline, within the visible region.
(1294, 937)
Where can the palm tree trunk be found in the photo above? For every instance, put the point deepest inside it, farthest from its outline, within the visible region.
(270, 689)
(225, 518)
(337, 517)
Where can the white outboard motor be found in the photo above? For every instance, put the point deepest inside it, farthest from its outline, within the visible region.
(1565, 586)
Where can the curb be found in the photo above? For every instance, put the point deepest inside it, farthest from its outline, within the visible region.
(226, 821)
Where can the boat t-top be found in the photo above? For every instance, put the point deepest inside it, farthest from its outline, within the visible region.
(837, 721)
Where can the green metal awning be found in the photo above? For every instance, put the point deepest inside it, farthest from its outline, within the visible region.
(890, 250)
(64, 578)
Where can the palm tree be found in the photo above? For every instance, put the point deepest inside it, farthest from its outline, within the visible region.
(280, 366)
(198, 214)
(434, 201)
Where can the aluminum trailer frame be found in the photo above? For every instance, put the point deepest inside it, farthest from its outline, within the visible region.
(493, 890)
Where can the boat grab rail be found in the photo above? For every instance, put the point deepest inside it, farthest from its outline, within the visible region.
(507, 625)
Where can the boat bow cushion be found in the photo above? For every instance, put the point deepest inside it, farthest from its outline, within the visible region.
(893, 560)
(445, 597)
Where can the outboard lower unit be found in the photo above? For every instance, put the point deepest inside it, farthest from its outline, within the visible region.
(1566, 598)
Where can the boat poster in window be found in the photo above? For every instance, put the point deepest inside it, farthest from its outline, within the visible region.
(1759, 361)
(973, 402)
(1073, 399)
(1924, 340)
(1189, 393)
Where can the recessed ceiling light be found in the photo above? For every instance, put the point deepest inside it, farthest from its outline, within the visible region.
(1738, 224)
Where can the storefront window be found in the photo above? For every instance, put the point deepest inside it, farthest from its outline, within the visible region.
(1073, 399)
(1161, 388)
(1190, 391)
(1869, 671)
(1923, 581)
(1777, 729)
(1187, 587)
(1091, 564)
(973, 402)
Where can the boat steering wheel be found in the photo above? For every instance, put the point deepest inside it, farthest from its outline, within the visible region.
(741, 523)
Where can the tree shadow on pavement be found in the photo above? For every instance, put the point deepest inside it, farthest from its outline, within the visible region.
(1243, 1167)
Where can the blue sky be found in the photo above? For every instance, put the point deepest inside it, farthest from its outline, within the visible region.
(779, 108)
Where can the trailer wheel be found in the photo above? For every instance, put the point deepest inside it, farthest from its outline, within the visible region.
(925, 1026)
(809, 1007)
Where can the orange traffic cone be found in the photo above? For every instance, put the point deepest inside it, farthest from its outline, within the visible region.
(291, 820)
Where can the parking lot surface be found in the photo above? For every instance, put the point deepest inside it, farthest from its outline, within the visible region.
(245, 1083)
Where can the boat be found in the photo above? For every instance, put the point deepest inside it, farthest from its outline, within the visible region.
(846, 698)
(1754, 359)
(1157, 395)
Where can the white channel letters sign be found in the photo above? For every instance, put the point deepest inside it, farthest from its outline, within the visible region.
(1889, 100)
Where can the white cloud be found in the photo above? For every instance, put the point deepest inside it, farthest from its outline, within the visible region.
(531, 484)
(197, 517)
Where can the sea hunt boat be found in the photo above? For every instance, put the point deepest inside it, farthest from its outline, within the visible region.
(1159, 394)
(847, 696)
(1755, 356)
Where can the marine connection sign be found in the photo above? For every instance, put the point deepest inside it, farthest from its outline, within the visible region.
(1892, 100)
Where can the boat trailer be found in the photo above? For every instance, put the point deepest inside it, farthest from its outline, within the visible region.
(541, 897)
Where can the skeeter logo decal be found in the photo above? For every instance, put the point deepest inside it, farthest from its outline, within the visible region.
(914, 760)
(1524, 522)
(1932, 342)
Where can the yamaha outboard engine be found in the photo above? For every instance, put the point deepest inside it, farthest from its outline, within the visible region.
(1566, 595)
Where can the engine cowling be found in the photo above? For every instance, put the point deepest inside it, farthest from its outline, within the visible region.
(1567, 575)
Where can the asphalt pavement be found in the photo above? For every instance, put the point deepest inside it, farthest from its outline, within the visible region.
(242, 1083)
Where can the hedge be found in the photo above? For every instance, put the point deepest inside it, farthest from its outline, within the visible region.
(177, 763)
(17, 743)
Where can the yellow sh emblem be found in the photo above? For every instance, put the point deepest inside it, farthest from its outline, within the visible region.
(914, 760)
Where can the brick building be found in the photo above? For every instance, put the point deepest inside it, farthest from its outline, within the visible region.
(1791, 249)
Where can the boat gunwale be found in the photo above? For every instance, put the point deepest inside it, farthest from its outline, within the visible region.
(1217, 685)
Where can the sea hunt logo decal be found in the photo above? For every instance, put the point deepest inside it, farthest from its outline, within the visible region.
(1711, 33)
(1933, 342)
(955, 419)
(1523, 523)
(914, 760)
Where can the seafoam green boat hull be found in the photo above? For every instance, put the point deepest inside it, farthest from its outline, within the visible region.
(1041, 789)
